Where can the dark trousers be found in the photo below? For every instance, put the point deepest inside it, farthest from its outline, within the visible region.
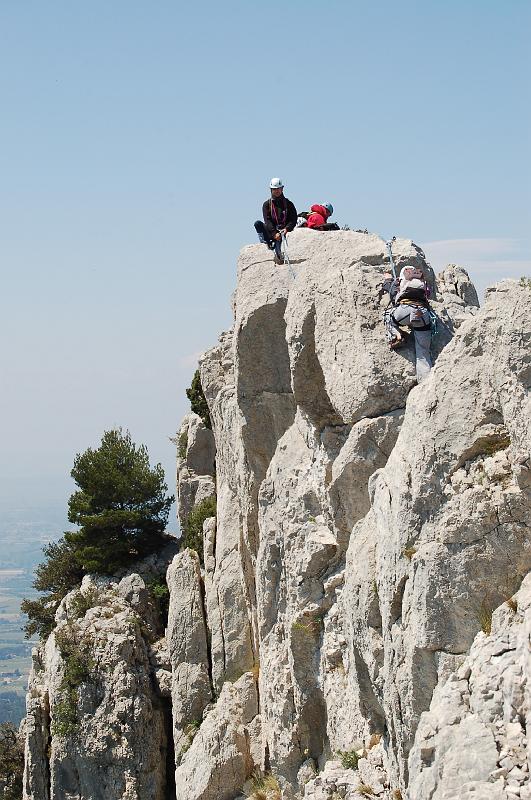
(264, 237)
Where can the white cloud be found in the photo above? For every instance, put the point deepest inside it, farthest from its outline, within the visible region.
(486, 260)
(472, 249)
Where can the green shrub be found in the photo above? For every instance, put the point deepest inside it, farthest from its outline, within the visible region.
(313, 627)
(78, 664)
(193, 530)
(56, 576)
(349, 759)
(81, 602)
(161, 597)
(11, 762)
(183, 444)
(197, 399)
(41, 616)
(525, 282)
(64, 721)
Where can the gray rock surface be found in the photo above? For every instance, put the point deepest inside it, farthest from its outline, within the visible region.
(448, 529)
(108, 731)
(220, 759)
(37, 733)
(196, 456)
(186, 636)
(473, 740)
(366, 528)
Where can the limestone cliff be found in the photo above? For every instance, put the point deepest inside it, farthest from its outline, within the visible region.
(341, 638)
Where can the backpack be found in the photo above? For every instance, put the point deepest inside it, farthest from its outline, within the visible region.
(417, 293)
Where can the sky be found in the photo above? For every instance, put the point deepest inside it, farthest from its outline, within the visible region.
(137, 144)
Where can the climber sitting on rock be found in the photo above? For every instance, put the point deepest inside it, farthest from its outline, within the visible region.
(280, 217)
(410, 308)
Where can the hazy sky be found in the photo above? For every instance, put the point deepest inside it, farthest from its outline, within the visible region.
(138, 140)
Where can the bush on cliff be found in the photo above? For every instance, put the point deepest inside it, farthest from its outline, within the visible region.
(121, 509)
(197, 400)
(193, 530)
(11, 762)
(56, 577)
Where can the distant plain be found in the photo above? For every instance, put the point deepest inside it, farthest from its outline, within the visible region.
(21, 543)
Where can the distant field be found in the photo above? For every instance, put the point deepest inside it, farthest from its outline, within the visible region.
(23, 533)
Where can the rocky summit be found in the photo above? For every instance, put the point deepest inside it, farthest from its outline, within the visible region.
(358, 622)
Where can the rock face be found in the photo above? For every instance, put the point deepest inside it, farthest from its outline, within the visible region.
(473, 741)
(220, 757)
(195, 465)
(96, 728)
(366, 530)
(186, 635)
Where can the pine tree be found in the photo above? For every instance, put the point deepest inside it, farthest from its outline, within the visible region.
(121, 509)
(121, 506)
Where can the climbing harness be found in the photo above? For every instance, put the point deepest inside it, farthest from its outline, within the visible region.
(279, 222)
(286, 255)
(435, 321)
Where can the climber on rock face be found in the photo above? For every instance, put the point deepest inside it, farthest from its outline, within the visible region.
(409, 296)
(280, 217)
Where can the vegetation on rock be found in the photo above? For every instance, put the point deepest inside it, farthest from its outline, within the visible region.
(77, 665)
(193, 530)
(56, 576)
(11, 762)
(263, 787)
(349, 759)
(121, 509)
(183, 444)
(197, 399)
(160, 593)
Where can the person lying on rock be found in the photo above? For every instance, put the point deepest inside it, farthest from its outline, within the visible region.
(318, 218)
(409, 296)
(280, 217)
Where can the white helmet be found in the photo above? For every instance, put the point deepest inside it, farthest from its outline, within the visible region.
(276, 183)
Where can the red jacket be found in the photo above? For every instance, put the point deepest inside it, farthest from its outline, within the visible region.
(318, 216)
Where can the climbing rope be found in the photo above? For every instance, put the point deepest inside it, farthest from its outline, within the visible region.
(286, 255)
